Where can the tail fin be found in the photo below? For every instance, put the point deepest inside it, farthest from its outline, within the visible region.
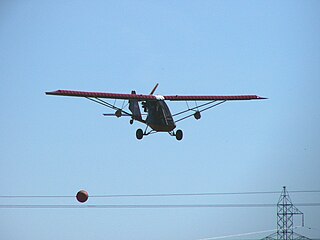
(134, 108)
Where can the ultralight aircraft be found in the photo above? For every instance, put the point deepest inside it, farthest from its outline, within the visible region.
(158, 116)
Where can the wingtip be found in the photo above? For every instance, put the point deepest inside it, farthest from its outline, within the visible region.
(51, 93)
(56, 92)
(261, 98)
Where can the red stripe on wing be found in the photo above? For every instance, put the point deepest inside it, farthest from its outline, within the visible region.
(101, 95)
(212, 98)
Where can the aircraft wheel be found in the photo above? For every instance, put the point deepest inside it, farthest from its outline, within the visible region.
(179, 135)
(131, 121)
(139, 133)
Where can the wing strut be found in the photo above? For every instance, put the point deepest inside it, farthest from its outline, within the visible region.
(106, 104)
(212, 103)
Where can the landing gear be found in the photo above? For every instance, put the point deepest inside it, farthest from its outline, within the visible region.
(131, 121)
(179, 135)
(139, 134)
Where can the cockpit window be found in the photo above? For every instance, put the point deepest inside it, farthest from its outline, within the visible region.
(165, 109)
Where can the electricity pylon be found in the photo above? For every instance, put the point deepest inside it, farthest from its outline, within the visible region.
(285, 212)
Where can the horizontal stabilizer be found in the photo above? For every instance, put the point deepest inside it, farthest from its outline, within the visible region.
(115, 115)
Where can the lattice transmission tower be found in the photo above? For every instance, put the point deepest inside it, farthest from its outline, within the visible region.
(285, 212)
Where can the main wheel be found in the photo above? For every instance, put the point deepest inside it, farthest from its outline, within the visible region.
(139, 133)
(179, 135)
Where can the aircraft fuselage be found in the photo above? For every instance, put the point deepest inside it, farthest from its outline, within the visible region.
(159, 116)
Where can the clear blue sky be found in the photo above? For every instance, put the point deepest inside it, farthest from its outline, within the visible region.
(58, 145)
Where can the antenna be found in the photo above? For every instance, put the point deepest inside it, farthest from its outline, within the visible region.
(154, 89)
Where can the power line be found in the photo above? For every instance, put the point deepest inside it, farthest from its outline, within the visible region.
(239, 235)
(198, 194)
(160, 194)
(250, 233)
(154, 206)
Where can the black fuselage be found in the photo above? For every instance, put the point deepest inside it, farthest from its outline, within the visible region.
(159, 116)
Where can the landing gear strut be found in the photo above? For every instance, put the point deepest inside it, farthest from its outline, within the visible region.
(140, 133)
(178, 134)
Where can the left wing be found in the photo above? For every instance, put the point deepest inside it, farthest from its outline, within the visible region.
(98, 97)
(139, 97)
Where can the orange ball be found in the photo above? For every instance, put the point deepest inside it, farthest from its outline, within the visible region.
(82, 196)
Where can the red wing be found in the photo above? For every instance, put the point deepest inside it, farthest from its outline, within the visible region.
(139, 97)
(142, 97)
(212, 98)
